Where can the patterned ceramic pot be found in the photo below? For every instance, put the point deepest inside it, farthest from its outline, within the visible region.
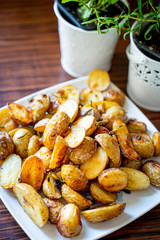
(81, 50)
(143, 85)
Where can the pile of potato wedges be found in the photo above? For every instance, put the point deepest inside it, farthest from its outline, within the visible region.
(80, 147)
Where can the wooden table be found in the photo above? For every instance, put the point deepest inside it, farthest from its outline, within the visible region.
(30, 61)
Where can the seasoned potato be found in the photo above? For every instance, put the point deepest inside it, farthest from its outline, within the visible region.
(102, 106)
(49, 187)
(33, 172)
(114, 95)
(32, 203)
(89, 123)
(73, 177)
(83, 152)
(68, 92)
(20, 114)
(131, 163)
(33, 145)
(100, 129)
(53, 107)
(113, 179)
(29, 128)
(124, 140)
(87, 96)
(100, 195)
(69, 221)
(57, 125)
(156, 141)
(152, 170)
(45, 155)
(84, 111)
(6, 145)
(10, 125)
(10, 171)
(99, 80)
(75, 136)
(54, 207)
(21, 140)
(5, 116)
(110, 146)
(59, 152)
(136, 127)
(137, 180)
(143, 145)
(70, 107)
(71, 196)
(40, 126)
(39, 105)
(95, 164)
(103, 213)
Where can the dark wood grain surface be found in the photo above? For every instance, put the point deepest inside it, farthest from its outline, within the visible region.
(30, 61)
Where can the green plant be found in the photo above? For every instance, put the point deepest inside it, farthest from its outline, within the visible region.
(146, 11)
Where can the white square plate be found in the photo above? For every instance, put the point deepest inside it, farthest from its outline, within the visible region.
(137, 203)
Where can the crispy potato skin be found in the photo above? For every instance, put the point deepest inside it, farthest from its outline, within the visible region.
(87, 95)
(152, 170)
(33, 145)
(136, 127)
(68, 92)
(84, 111)
(156, 141)
(73, 177)
(40, 125)
(130, 163)
(45, 155)
(32, 203)
(6, 145)
(88, 122)
(113, 179)
(69, 221)
(114, 95)
(49, 187)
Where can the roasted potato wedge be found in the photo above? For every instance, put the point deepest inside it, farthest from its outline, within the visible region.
(29, 128)
(69, 221)
(130, 163)
(102, 106)
(152, 170)
(10, 125)
(5, 117)
(68, 92)
(83, 152)
(87, 96)
(114, 95)
(89, 123)
(137, 180)
(10, 171)
(73, 177)
(32, 172)
(50, 188)
(45, 155)
(156, 142)
(84, 111)
(6, 145)
(75, 136)
(100, 195)
(40, 126)
(113, 179)
(32, 203)
(33, 145)
(136, 127)
(103, 213)
(70, 107)
(95, 164)
(71, 196)
(99, 80)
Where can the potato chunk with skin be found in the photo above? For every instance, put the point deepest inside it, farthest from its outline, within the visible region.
(6, 145)
(69, 221)
(70, 107)
(87, 96)
(32, 203)
(95, 164)
(114, 95)
(113, 179)
(89, 123)
(136, 127)
(73, 177)
(49, 187)
(71, 196)
(33, 145)
(68, 92)
(99, 80)
(45, 155)
(152, 170)
(103, 213)
(156, 141)
(130, 163)
(40, 126)
(75, 136)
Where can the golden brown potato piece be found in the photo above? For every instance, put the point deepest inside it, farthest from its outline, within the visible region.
(58, 125)
(110, 146)
(68, 92)
(20, 114)
(87, 96)
(84, 151)
(136, 127)
(6, 145)
(39, 105)
(102, 106)
(59, 152)
(10, 125)
(124, 140)
(137, 180)
(70, 107)
(84, 111)
(113, 179)
(54, 207)
(33, 145)
(71, 196)
(100, 195)
(32, 172)
(21, 140)
(100, 130)
(103, 213)
(152, 170)
(53, 107)
(73, 177)
(32, 203)
(10, 171)
(95, 164)
(143, 145)
(69, 221)
(45, 155)
(4, 116)
(130, 163)
(50, 188)
(99, 80)
(89, 123)
(114, 95)
(40, 126)
(156, 141)
(75, 136)
(29, 128)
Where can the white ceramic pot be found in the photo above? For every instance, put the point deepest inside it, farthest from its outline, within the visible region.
(143, 85)
(81, 50)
